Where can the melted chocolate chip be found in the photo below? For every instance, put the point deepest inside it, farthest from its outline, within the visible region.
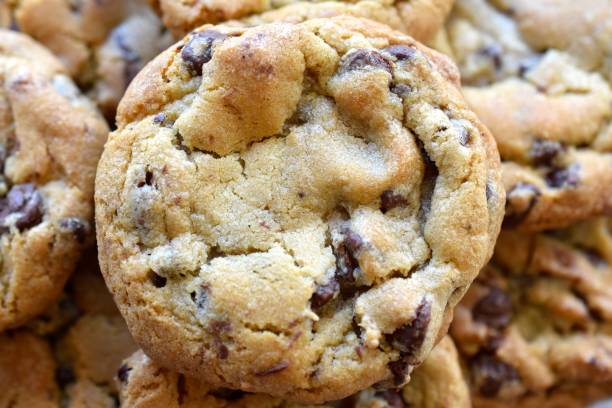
(78, 227)
(157, 280)
(198, 51)
(567, 177)
(273, 370)
(409, 338)
(544, 152)
(494, 52)
(494, 309)
(401, 52)
(389, 200)
(392, 397)
(400, 370)
(228, 394)
(363, 58)
(490, 373)
(519, 201)
(24, 201)
(324, 294)
(346, 262)
(123, 373)
(64, 376)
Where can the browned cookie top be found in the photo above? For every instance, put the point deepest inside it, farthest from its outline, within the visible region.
(537, 323)
(419, 18)
(51, 138)
(537, 74)
(102, 44)
(295, 208)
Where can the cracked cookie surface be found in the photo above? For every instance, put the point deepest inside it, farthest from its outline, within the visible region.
(535, 328)
(51, 138)
(419, 18)
(438, 382)
(69, 356)
(295, 208)
(538, 75)
(101, 43)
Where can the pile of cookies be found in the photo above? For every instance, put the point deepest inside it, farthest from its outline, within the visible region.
(305, 203)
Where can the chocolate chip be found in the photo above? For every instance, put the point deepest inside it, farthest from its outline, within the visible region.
(490, 373)
(123, 373)
(228, 394)
(401, 52)
(181, 389)
(494, 52)
(595, 258)
(364, 58)
(346, 262)
(159, 118)
(75, 6)
(400, 89)
(324, 294)
(200, 298)
(157, 280)
(543, 152)
(409, 338)
(220, 326)
(198, 51)
(77, 226)
(519, 201)
(489, 190)
(129, 55)
(392, 397)
(462, 131)
(389, 200)
(64, 375)
(222, 351)
(567, 177)
(356, 327)
(273, 370)
(428, 184)
(400, 370)
(147, 181)
(25, 203)
(494, 309)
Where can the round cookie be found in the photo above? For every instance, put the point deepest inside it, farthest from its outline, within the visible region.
(50, 142)
(535, 74)
(419, 18)
(536, 326)
(295, 209)
(101, 43)
(438, 382)
(67, 357)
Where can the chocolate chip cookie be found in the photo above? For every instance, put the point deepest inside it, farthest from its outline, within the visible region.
(536, 326)
(295, 209)
(438, 382)
(419, 18)
(50, 142)
(535, 74)
(69, 356)
(101, 43)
